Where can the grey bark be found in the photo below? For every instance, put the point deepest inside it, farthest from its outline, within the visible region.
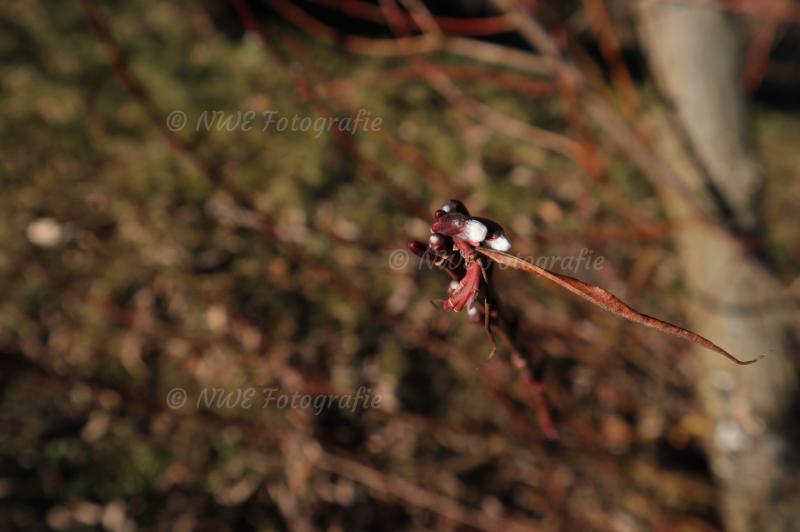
(694, 53)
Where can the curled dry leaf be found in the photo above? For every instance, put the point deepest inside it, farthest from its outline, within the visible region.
(607, 301)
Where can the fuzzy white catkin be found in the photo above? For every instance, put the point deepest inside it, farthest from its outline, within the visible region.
(474, 231)
(498, 243)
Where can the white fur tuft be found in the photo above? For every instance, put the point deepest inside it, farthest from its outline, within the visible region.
(499, 243)
(474, 231)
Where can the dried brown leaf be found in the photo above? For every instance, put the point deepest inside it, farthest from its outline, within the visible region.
(608, 301)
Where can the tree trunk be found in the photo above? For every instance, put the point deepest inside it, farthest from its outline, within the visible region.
(695, 55)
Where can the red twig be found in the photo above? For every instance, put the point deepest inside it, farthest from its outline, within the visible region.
(610, 48)
(757, 58)
(511, 81)
(449, 25)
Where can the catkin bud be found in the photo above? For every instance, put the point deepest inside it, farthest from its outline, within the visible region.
(496, 237)
(454, 207)
(459, 226)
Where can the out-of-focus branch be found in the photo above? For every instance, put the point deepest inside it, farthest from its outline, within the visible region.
(765, 33)
(602, 26)
(510, 81)
(499, 121)
(452, 26)
(394, 487)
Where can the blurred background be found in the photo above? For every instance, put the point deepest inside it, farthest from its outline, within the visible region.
(169, 248)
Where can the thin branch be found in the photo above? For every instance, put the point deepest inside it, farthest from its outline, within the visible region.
(490, 25)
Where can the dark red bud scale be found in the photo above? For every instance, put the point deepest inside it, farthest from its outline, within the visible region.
(455, 206)
(460, 226)
(467, 290)
(449, 224)
(417, 248)
(439, 243)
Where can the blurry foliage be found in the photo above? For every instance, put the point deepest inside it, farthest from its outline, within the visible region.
(126, 272)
